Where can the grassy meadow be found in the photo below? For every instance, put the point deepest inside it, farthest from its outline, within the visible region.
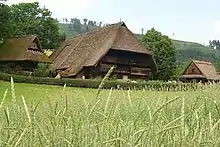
(42, 115)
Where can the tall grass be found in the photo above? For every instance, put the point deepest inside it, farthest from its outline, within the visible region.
(116, 118)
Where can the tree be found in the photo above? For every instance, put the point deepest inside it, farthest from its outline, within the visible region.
(66, 20)
(100, 24)
(180, 68)
(75, 24)
(163, 52)
(90, 23)
(94, 23)
(5, 25)
(57, 20)
(215, 44)
(142, 31)
(85, 21)
(71, 24)
(30, 18)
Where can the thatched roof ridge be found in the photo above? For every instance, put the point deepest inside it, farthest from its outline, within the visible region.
(88, 48)
(202, 62)
(16, 49)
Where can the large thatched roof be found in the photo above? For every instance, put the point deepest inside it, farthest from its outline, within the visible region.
(17, 49)
(87, 49)
(206, 68)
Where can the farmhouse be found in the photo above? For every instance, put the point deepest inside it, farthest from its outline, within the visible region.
(92, 54)
(22, 53)
(200, 71)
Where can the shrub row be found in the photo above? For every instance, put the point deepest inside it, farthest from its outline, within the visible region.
(92, 83)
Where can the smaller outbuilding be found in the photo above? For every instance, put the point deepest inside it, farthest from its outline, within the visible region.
(200, 71)
(22, 53)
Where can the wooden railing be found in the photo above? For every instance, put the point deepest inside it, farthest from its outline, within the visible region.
(123, 61)
(124, 69)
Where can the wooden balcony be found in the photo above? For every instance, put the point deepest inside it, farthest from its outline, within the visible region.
(124, 61)
(118, 69)
(139, 71)
(124, 69)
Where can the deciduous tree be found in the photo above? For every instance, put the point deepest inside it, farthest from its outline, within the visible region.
(5, 25)
(215, 44)
(164, 53)
(30, 18)
(100, 24)
(85, 21)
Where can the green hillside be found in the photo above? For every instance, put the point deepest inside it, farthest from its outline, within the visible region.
(70, 30)
(184, 50)
(191, 50)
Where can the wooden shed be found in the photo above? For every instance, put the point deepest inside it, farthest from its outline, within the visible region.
(92, 54)
(22, 52)
(200, 71)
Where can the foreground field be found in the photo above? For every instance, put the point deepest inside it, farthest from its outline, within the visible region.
(59, 116)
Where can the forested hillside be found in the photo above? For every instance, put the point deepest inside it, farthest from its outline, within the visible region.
(191, 50)
(70, 29)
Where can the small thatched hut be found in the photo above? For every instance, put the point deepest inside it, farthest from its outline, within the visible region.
(23, 52)
(200, 71)
(92, 54)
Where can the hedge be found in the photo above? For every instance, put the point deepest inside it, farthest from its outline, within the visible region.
(92, 83)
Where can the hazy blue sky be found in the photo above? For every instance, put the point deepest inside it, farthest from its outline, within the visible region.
(190, 20)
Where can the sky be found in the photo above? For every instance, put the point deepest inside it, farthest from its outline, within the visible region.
(188, 20)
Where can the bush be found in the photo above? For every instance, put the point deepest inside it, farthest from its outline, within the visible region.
(43, 70)
(5, 68)
(93, 83)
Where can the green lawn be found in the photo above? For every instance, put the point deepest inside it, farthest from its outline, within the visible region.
(76, 117)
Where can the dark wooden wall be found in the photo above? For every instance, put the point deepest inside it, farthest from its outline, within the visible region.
(18, 65)
(133, 65)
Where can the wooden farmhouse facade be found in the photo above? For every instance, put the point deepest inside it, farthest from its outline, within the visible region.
(22, 53)
(92, 54)
(200, 71)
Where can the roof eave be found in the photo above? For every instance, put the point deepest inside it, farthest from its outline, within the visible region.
(133, 51)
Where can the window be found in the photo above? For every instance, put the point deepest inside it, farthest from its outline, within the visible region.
(33, 45)
(34, 49)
